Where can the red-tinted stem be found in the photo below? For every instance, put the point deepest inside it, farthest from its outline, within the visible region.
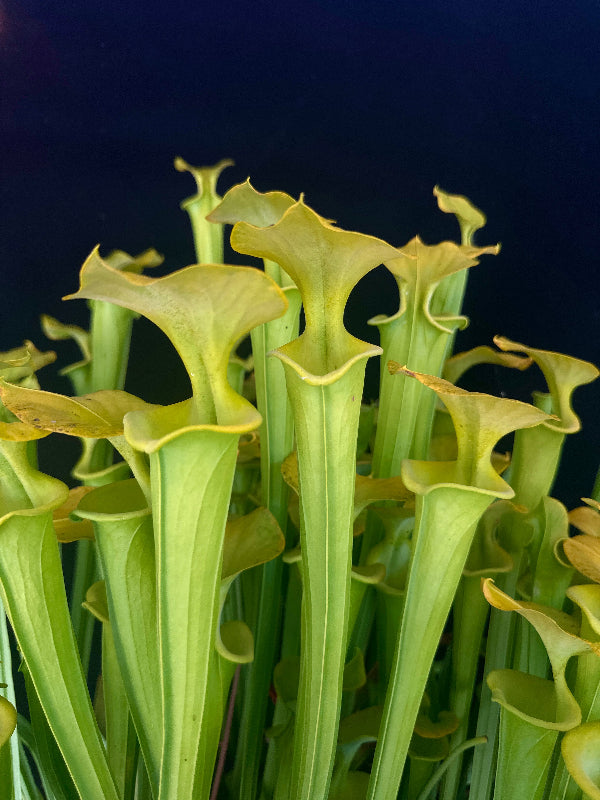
(226, 734)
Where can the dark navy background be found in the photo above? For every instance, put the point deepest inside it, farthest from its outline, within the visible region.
(363, 106)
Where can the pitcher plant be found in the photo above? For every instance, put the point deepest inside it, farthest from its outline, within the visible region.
(281, 591)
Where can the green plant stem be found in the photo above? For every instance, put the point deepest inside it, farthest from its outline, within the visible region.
(277, 434)
(85, 574)
(439, 773)
(497, 656)
(446, 519)
(37, 737)
(143, 789)
(326, 418)
(85, 571)
(191, 478)
(587, 693)
(398, 400)
(121, 741)
(28, 784)
(110, 338)
(123, 528)
(470, 612)
(534, 464)
(417, 336)
(34, 596)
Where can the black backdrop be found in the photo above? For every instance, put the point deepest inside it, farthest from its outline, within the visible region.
(363, 106)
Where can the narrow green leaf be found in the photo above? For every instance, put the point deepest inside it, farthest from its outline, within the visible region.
(192, 475)
(34, 596)
(469, 614)
(244, 203)
(451, 497)
(324, 371)
(55, 777)
(367, 489)
(125, 539)
(121, 741)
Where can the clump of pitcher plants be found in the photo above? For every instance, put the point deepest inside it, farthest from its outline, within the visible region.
(297, 596)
